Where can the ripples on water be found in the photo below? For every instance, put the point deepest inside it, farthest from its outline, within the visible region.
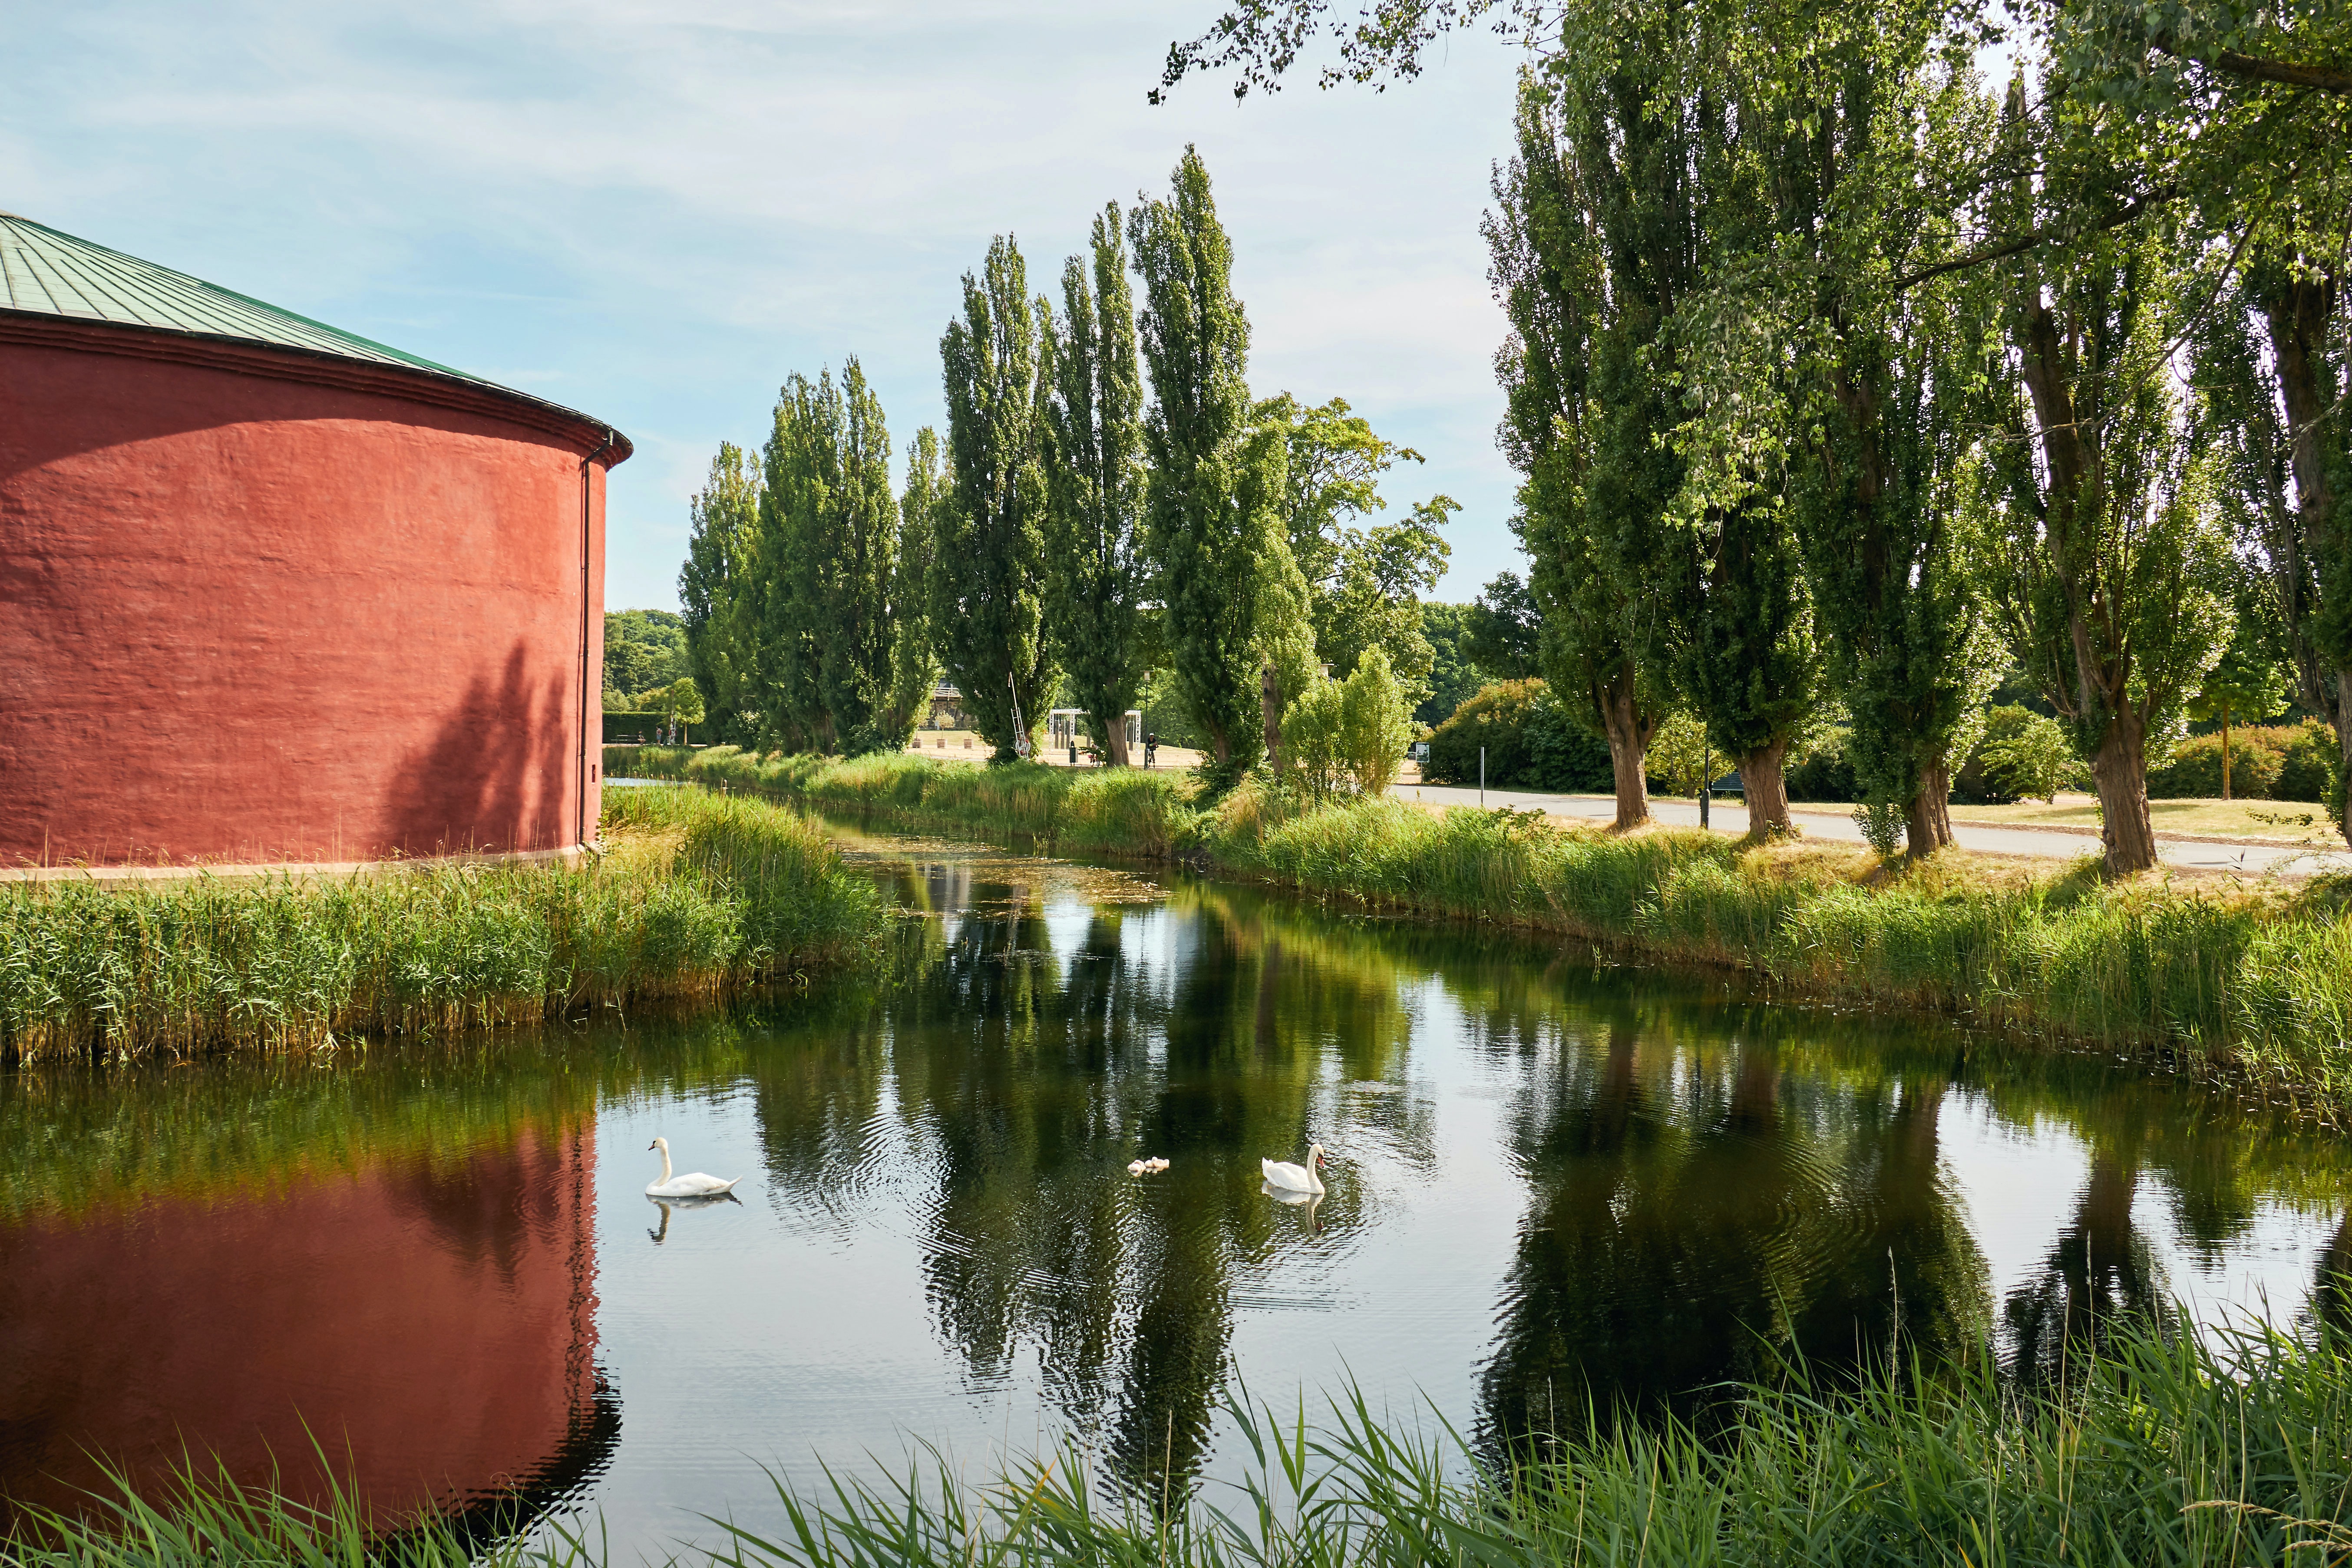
(1549, 1182)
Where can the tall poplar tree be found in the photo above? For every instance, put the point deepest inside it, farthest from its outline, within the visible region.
(858, 570)
(717, 590)
(1549, 273)
(1096, 480)
(1234, 600)
(2103, 560)
(2272, 367)
(988, 573)
(915, 661)
(1847, 165)
(801, 452)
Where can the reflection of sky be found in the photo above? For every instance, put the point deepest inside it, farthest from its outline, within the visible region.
(2019, 1188)
(785, 1333)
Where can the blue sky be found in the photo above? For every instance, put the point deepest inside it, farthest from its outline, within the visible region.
(655, 211)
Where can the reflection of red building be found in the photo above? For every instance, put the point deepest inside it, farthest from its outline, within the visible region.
(431, 1325)
(272, 591)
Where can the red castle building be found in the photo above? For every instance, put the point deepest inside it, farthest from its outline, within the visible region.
(270, 591)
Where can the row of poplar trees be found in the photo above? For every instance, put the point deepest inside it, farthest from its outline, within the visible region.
(1835, 375)
(1837, 371)
(1069, 527)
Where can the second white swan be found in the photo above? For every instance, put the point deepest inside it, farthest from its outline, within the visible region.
(693, 1184)
(1296, 1178)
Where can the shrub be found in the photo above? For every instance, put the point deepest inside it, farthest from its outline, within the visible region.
(2024, 755)
(2257, 757)
(1824, 768)
(1496, 719)
(2307, 767)
(1310, 737)
(1375, 721)
(1678, 761)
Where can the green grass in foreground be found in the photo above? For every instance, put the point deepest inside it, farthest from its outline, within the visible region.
(2250, 980)
(2160, 1453)
(698, 895)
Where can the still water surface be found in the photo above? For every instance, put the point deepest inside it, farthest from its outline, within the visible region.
(1546, 1176)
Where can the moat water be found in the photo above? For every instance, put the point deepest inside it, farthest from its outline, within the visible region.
(1550, 1179)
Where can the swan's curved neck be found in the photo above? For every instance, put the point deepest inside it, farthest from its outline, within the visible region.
(664, 1154)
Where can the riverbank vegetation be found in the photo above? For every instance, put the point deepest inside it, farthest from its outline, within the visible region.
(2249, 980)
(2156, 1450)
(695, 896)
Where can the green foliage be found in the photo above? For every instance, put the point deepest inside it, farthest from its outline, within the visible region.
(988, 572)
(840, 627)
(722, 620)
(2310, 770)
(2245, 685)
(1532, 742)
(1121, 812)
(2024, 755)
(1822, 767)
(1505, 630)
(1590, 469)
(915, 662)
(2102, 562)
(2260, 763)
(1453, 678)
(1234, 598)
(682, 701)
(1375, 723)
(726, 893)
(1096, 479)
(1363, 584)
(1681, 759)
(643, 648)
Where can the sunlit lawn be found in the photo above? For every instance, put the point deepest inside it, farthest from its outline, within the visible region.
(2293, 821)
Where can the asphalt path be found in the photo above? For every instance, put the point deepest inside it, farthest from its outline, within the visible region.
(2248, 860)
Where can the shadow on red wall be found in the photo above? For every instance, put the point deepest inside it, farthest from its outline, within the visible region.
(493, 777)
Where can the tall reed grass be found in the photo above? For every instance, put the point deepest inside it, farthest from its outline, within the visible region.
(1129, 813)
(2257, 981)
(701, 895)
(2159, 1453)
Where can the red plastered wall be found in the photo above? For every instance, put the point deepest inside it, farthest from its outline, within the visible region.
(246, 616)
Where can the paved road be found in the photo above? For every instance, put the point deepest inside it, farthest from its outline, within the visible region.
(1724, 817)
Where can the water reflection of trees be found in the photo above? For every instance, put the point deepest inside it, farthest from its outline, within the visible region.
(1700, 1210)
(1025, 1076)
(1712, 1184)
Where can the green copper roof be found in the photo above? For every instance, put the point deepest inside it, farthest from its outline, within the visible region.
(46, 273)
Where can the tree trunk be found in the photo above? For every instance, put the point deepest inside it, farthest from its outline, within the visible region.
(1270, 698)
(1115, 743)
(2120, 770)
(1927, 820)
(1767, 788)
(1629, 745)
(2344, 744)
(2225, 752)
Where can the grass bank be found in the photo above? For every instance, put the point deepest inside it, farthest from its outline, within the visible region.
(1124, 813)
(2244, 979)
(2158, 1453)
(696, 896)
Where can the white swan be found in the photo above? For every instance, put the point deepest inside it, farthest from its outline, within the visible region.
(1296, 1178)
(1136, 1167)
(694, 1184)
